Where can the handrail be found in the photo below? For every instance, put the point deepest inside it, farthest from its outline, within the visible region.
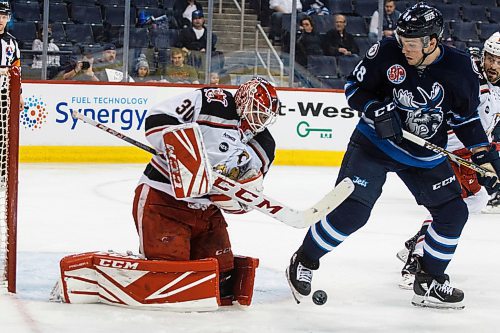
(241, 9)
(271, 50)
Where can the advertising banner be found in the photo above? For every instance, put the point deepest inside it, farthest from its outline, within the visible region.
(308, 121)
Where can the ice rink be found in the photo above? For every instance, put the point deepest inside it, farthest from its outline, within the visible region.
(71, 208)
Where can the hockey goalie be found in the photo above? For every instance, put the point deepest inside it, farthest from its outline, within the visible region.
(185, 260)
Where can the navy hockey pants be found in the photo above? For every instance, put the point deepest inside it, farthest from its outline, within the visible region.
(437, 189)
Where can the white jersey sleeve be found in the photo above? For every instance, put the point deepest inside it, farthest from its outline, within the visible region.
(489, 113)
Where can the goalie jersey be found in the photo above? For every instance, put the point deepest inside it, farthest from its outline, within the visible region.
(430, 101)
(214, 110)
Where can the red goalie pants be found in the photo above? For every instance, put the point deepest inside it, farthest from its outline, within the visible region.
(169, 230)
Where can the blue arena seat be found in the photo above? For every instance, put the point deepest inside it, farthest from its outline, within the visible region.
(23, 31)
(26, 11)
(322, 23)
(322, 66)
(487, 29)
(346, 64)
(79, 33)
(164, 39)
(58, 12)
(86, 14)
(356, 25)
(472, 13)
(365, 8)
(494, 14)
(341, 7)
(464, 31)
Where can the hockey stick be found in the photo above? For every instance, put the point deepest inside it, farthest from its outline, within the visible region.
(457, 159)
(256, 200)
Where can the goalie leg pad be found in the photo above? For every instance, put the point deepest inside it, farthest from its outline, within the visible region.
(190, 170)
(242, 280)
(125, 280)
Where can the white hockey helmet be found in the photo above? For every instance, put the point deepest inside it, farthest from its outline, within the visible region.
(492, 44)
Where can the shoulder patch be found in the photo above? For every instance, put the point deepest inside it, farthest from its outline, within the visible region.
(216, 95)
(373, 50)
(396, 74)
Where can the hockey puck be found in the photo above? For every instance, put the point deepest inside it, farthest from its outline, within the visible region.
(319, 297)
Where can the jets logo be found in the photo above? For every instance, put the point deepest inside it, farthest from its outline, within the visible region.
(372, 51)
(396, 74)
(216, 95)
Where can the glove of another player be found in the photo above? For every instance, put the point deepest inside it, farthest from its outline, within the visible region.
(386, 120)
(252, 180)
(489, 159)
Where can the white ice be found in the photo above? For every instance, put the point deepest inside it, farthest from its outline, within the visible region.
(73, 208)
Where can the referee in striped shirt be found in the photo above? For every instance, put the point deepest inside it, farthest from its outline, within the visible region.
(9, 49)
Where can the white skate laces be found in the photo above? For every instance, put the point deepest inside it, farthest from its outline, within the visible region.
(444, 287)
(304, 274)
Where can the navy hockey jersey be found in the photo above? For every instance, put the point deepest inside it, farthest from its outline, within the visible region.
(443, 95)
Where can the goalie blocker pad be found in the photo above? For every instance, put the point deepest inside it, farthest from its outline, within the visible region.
(187, 158)
(126, 280)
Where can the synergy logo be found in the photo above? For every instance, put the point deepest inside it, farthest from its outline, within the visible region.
(34, 113)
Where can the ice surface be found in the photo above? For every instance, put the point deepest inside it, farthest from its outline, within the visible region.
(70, 208)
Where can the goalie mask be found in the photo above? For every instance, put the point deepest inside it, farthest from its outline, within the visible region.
(257, 105)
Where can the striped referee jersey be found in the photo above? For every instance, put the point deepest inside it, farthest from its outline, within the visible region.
(10, 54)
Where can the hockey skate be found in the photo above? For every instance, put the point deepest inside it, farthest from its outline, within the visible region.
(409, 247)
(436, 293)
(299, 275)
(493, 206)
(408, 273)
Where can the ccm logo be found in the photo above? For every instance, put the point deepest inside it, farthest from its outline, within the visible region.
(235, 190)
(443, 183)
(118, 264)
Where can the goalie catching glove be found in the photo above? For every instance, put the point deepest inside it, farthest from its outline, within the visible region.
(252, 180)
(489, 159)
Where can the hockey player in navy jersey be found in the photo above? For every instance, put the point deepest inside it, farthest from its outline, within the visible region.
(475, 196)
(415, 83)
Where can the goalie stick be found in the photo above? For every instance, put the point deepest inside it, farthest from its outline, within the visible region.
(426, 144)
(256, 200)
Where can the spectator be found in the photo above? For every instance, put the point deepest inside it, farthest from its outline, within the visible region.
(193, 41)
(141, 73)
(195, 38)
(284, 6)
(338, 41)
(106, 67)
(389, 23)
(52, 60)
(81, 70)
(183, 10)
(178, 71)
(309, 42)
(214, 78)
(316, 7)
(280, 7)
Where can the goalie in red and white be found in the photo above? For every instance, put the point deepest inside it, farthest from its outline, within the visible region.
(186, 261)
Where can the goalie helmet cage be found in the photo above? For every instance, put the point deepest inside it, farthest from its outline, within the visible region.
(10, 86)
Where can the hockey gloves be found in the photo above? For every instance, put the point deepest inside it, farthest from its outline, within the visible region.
(489, 159)
(386, 120)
